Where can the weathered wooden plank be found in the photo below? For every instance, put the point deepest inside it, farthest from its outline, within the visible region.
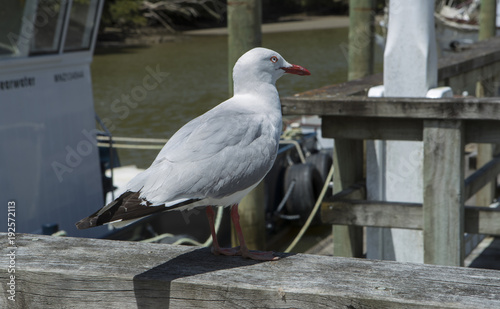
(443, 207)
(372, 213)
(56, 272)
(372, 128)
(353, 87)
(477, 220)
(348, 164)
(486, 195)
(476, 131)
(481, 177)
(482, 131)
(418, 108)
(479, 55)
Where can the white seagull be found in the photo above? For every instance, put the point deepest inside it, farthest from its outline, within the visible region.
(216, 158)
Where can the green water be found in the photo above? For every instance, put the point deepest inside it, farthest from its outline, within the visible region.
(193, 79)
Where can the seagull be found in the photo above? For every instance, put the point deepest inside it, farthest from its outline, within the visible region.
(215, 159)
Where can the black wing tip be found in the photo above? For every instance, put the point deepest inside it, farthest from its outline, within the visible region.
(84, 224)
(95, 219)
(116, 212)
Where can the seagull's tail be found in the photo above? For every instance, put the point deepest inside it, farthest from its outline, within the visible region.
(126, 209)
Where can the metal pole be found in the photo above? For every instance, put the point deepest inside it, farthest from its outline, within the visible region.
(244, 19)
(487, 19)
(361, 38)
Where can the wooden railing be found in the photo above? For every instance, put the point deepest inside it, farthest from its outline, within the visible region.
(55, 272)
(444, 125)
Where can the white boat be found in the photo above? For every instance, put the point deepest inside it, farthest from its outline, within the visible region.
(49, 162)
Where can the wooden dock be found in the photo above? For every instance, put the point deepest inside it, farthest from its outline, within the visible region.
(54, 272)
(443, 125)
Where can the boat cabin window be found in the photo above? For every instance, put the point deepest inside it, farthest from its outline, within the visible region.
(81, 25)
(41, 27)
(46, 26)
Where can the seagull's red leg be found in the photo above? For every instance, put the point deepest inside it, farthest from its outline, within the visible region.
(254, 255)
(216, 249)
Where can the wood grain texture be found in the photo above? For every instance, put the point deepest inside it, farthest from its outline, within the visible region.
(478, 62)
(372, 128)
(348, 170)
(477, 220)
(411, 108)
(443, 205)
(481, 177)
(89, 273)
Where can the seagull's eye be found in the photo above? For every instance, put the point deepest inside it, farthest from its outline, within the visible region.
(274, 59)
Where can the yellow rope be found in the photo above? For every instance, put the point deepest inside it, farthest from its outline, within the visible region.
(313, 212)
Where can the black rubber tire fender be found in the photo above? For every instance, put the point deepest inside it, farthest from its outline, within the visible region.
(322, 162)
(306, 190)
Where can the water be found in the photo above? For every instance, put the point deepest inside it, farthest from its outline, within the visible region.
(197, 80)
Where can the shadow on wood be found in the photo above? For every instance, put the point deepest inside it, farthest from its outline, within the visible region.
(54, 272)
(153, 288)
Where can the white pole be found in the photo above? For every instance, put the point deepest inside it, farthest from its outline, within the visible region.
(395, 168)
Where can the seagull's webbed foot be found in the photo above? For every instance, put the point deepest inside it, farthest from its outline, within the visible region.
(226, 251)
(249, 254)
(258, 255)
(242, 250)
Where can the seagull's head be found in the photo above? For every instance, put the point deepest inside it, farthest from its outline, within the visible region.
(263, 65)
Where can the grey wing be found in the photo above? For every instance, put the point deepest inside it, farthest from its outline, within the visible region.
(212, 156)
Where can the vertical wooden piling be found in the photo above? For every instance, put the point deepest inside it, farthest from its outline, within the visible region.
(443, 192)
(244, 19)
(253, 219)
(485, 153)
(348, 154)
(487, 19)
(361, 38)
(487, 29)
(348, 164)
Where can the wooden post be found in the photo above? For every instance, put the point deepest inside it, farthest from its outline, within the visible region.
(487, 29)
(348, 164)
(361, 38)
(244, 19)
(253, 220)
(348, 154)
(487, 19)
(443, 192)
(485, 153)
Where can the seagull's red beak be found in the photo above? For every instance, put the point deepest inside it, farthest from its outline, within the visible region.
(296, 69)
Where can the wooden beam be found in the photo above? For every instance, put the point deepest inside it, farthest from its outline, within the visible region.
(481, 54)
(408, 108)
(482, 131)
(57, 272)
(372, 128)
(372, 213)
(358, 87)
(443, 207)
(348, 127)
(477, 220)
(481, 177)
(348, 164)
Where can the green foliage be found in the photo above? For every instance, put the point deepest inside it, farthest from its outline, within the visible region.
(122, 14)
